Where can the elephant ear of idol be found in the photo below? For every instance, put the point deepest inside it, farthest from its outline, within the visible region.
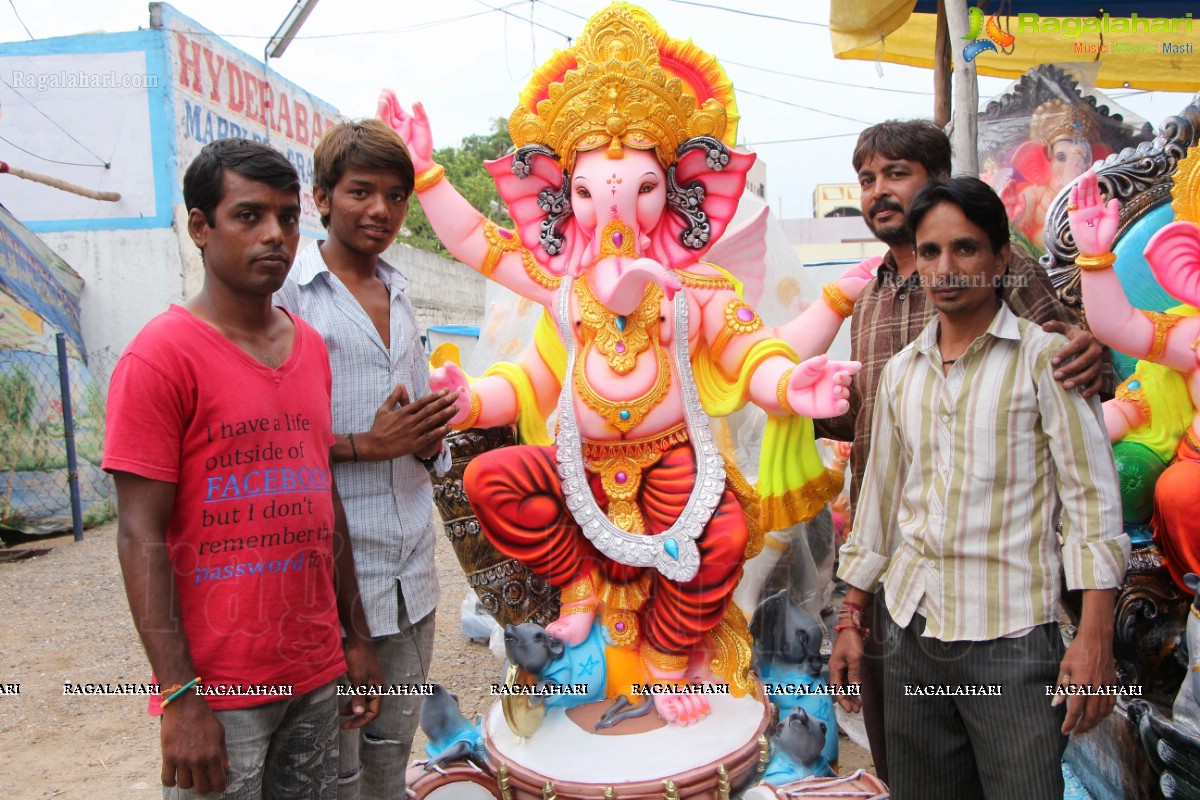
(531, 182)
(701, 201)
(625, 84)
(1174, 251)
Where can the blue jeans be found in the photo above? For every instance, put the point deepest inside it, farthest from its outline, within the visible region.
(373, 759)
(286, 750)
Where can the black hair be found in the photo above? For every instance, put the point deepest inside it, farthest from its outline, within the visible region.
(916, 140)
(203, 183)
(978, 202)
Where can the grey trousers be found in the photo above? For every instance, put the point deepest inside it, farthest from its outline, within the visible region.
(286, 750)
(955, 747)
(373, 759)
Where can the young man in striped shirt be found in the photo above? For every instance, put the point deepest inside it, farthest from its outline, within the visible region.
(976, 452)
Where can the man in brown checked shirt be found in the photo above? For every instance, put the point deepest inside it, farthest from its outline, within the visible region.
(893, 160)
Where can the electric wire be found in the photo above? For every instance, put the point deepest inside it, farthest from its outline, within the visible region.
(50, 160)
(55, 124)
(17, 14)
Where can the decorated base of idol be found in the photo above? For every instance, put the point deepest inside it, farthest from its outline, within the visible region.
(644, 758)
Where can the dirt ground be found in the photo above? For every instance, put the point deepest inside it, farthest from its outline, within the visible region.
(65, 619)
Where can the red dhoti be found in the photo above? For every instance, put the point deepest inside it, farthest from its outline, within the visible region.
(517, 496)
(1176, 520)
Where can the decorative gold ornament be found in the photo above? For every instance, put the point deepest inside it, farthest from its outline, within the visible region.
(625, 415)
(472, 415)
(1185, 188)
(522, 715)
(1163, 323)
(620, 466)
(609, 793)
(621, 338)
(504, 782)
(1135, 397)
(722, 782)
(740, 319)
(694, 281)
(429, 178)
(729, 643)
(663, 662)
(617, 239)
(1095, 263)
(670, 790)
(501, 241)
(578, 591)
(621, 626)
(781, 390)
(842, 305)
(625, 83)
(1057, 119)
(764, 754)
(549, 792)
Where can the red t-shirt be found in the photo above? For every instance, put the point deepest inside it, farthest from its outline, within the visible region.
(250, 535)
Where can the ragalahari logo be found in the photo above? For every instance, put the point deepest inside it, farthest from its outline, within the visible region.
(995, 35)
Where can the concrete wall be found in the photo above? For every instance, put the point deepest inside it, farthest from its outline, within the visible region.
(443, 291)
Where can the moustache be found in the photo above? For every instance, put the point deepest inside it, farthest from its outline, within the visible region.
(885, 205)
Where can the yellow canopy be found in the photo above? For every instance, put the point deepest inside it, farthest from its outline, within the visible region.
(1130, 51)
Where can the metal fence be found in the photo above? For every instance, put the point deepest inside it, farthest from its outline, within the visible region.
(52, 440)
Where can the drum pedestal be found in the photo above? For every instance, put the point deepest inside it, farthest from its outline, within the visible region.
(723, 753)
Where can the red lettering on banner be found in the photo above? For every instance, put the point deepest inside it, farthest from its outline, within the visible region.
(284, 116)
(214, 76)
(251, 84)
(185, 62)
(301, 123)
(269, 112)
(237, 95)
(243, 93)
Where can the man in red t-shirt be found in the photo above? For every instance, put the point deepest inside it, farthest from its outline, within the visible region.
(231, 536)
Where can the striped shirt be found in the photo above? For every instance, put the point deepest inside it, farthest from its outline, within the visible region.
(389, 504)
(891, 313)
(969, 472)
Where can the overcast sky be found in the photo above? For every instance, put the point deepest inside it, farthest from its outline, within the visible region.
(467, 60)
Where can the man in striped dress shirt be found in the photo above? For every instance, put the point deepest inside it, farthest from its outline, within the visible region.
(893, 161)
(977, 451)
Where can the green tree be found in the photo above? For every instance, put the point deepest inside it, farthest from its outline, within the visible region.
(464, 169)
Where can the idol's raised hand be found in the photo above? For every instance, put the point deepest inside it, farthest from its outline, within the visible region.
(1093, 222)
(412, 128)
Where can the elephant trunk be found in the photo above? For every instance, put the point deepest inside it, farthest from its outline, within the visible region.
(620, 276)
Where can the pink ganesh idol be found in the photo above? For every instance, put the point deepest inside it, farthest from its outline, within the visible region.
(1170, 340)
(623, 177)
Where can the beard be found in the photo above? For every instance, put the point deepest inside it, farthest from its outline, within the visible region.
(894, 234)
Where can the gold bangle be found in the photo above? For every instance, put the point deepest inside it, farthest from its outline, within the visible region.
(472, 415)
(428, 178)
(1095, 263)
(842, 305)
(781, 391)
(1162, 327)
